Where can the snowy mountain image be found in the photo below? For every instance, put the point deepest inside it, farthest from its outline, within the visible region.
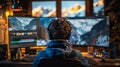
(98, 7)
(89, 31)
(44, 8)
(73, 8)
(22, 23)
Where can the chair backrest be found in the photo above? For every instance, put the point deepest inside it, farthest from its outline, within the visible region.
(60, 63)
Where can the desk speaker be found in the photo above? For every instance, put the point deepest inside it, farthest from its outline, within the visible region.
(3, 52)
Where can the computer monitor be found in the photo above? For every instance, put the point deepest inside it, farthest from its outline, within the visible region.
(22, 31)
(90, 31)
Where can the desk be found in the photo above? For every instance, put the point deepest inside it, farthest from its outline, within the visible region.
(96, 62)
(109, 63)
(15, 64)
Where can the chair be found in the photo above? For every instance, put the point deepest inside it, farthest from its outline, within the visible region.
(60, 63)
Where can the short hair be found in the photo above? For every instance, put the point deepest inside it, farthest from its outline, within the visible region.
(59, 29)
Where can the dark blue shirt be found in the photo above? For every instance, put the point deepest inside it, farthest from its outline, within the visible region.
(59, 49)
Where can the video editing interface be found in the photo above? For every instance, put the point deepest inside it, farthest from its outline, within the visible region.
(22, 31)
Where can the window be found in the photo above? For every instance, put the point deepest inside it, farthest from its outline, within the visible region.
(43, 8)
(98, 7)
(73, 8)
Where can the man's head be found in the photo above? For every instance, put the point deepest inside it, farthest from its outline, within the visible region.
(59, 29)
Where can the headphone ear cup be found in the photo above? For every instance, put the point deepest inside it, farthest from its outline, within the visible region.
(50, 36)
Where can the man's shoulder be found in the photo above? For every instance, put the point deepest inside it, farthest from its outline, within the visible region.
(76, 51)
(42, 53)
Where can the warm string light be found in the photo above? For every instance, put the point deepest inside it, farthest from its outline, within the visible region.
(7, 13)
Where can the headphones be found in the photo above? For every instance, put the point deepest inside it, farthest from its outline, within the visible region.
(56, 28)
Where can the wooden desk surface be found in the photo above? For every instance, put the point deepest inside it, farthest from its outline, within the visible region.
(97, 62)
(94, 62)
(15, 64)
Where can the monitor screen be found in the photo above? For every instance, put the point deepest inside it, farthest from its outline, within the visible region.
(90, 31)
(22, 31)
(21, 23)
(44, 8)
(73, 8)
(22, 42)
(43, 38)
